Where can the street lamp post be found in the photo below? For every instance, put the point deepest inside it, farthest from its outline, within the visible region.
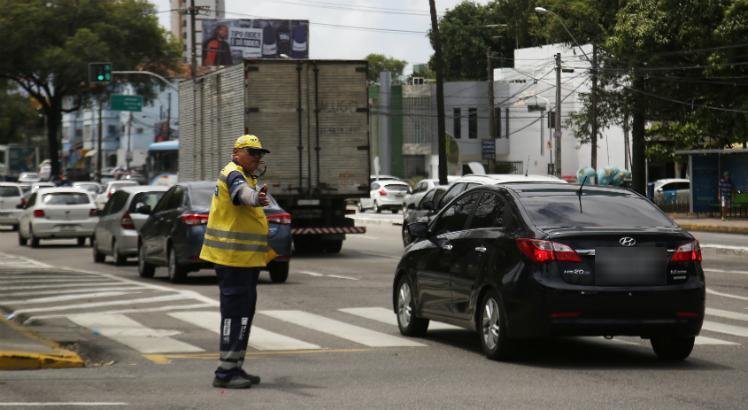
(593, 91)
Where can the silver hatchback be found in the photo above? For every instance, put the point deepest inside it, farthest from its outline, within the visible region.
(123, 215)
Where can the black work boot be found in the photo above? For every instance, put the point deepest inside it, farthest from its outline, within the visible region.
(254, 379)
(236, 382)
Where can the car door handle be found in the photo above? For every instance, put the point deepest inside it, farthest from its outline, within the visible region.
(480, 249)
(447, 246)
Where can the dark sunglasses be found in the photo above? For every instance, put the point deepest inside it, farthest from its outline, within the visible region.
(255, 152)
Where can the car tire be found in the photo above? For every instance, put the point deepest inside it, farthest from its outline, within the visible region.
(119, 259)
(377, 209)
(492, 327)
(177, 272)
(278, 271)
(145, 269)
(82, 241)
(672, 348)
(395, 210)
(405, 310)
(334, 246)
(21, 240)
(34, 240)
(361, 208)
(14, 227)
(406, 236)
(98, 257)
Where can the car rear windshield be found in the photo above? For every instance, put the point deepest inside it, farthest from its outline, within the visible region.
(593, 210)
(397, 187)
(146, 198)
(200, 196)
(6, 191)
(65, 198)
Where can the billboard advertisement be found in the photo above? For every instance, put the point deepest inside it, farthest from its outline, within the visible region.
(227, 42)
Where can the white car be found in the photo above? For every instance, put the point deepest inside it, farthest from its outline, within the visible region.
(29, 177)
(385, 194)
(55, 213)
(93, 188)
(422, 187)
(112, 186)
(671, 191)
(10, 198)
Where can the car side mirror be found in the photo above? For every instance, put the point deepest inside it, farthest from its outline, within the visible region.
(418, 230)
(142, 208)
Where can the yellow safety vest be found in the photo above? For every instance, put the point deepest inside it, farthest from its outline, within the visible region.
(237, 235)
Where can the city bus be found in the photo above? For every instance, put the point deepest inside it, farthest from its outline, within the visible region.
(162, 163)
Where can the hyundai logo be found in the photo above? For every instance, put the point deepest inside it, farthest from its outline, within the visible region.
(627, 241)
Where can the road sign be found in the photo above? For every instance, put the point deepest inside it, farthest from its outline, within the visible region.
(119, 102)
(488, 148)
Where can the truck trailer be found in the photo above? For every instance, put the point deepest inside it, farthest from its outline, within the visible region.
(313, 116)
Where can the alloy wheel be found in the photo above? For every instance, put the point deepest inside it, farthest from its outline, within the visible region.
(404, 301)
(491, 323)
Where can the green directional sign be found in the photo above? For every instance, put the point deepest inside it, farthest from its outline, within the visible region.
(119, 102)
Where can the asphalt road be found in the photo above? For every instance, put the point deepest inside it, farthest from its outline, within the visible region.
(151, 344)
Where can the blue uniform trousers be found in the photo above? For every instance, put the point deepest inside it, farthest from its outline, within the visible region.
(238, 288)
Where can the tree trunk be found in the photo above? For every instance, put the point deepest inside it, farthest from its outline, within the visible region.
(54, 120)
(638, 164)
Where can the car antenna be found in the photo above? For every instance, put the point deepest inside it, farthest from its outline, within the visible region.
(579, 192)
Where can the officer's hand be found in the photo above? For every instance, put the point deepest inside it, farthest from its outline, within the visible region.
(263, 196)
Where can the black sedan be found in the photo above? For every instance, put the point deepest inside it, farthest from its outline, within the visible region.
(421, 210)
(521, 261)
(172, 236)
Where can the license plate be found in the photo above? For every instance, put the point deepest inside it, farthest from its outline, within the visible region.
(67, 227)
(615, 266)
(399, 195)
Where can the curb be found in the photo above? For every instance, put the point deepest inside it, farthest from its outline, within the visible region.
(58, 358)
(374, 221)
(713, 228)
(724, 250)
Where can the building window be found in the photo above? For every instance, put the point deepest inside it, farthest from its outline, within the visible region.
(506, 122)
(456, 123)
(472, 123)
(497, 119)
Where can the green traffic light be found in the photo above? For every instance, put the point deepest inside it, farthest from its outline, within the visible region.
(100, 77)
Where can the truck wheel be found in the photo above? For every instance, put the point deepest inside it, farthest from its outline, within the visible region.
(82, 241)
(333, 246)
(145, 269)
(278, 271)
(98, 257)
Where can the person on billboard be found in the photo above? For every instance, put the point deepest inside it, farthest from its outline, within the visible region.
(299, 44)
(216, 50)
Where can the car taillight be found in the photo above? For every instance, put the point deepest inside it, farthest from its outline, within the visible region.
(109, 194)
(38, 213)
(382, 192)
(280, 218)
(540, 251)
(92, 212)
(126, 221)
(194, 219)
(689, 252)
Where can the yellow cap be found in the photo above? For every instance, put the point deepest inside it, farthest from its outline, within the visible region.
(249, 141)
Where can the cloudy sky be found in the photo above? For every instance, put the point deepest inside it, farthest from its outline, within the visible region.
(345, 29)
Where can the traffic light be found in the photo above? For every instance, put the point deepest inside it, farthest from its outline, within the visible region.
(99, 72)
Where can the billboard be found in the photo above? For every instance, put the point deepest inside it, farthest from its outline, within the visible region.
(227, 42)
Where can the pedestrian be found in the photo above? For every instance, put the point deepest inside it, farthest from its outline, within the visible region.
(216, 50)
(725, 194)
(236, 242)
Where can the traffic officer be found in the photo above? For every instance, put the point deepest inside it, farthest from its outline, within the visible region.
(236, 242)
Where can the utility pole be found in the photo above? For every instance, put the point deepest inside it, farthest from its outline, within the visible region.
(98, 142)
(128, 154)
(439, 95)
(593, 110)
(557, 122)
(193, 51)
(491, 114)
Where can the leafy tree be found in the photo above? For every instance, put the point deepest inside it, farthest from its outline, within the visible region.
(47, 45)
(18, 118)
(380, 62)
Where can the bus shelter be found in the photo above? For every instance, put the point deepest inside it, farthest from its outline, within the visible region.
(706, 166)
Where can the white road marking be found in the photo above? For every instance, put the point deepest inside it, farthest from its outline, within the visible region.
(63, 279)
(310, 273)
(154, 299)
(64, 404)
(737, 272)
(727, 314)
(71, 291)
(341, 277)
(703, 340)
(34, 276)
(124, 330)
(725, 295)
(259, 338)
(103, 282)
(726, 329)
(121, 311)
(10, 261)
(63, 298)
(387, 316)
(729, 247)
(339, 329)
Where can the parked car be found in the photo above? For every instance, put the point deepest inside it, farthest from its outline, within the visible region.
(422, 210)
(172, 236)
(520, 261)
(672, 191)
(56, 213)
(386, 194)
(29, 177)
(116, 233)
(10, 198)
(109, 189)
(422, 187)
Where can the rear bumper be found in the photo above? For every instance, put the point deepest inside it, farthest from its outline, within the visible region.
(9, 217)
(63, 229)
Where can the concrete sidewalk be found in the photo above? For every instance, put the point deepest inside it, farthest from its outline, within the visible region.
(21, 349)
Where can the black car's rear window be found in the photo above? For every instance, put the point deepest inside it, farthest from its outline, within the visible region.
(6, 191)
(598, 209)
(200, 196)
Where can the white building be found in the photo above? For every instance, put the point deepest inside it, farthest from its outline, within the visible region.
(180, 23)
